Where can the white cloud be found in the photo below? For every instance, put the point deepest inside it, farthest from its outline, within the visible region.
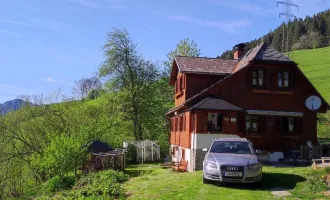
(49, 79)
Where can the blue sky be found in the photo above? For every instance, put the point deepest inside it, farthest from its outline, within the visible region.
(46, 45)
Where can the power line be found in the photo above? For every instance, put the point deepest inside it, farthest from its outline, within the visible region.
(288, 15)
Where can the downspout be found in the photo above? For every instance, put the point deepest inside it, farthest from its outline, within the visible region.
(193, 144)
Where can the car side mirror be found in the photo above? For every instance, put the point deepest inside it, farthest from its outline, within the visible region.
(204, 150)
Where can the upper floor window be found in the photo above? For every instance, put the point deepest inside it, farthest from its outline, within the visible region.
(179, 84)
(258, 77)
(283, 79)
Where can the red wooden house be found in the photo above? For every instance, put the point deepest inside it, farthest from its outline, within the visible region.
(260, 95)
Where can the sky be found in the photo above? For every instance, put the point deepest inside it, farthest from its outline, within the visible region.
(46, 45)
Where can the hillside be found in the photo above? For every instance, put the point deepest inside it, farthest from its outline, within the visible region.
(315, 63)
(309, 33)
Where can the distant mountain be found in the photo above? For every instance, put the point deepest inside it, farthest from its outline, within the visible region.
(11, 106)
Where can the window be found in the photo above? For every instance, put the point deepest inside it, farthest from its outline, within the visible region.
(283, 79)
(252, 123)
(258, 78)
(172, 124)
(231, 147)
(288, 124)
(179, 84)
(214, 122)
(183, 156)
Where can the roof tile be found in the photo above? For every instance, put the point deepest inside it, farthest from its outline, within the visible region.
(205, 65)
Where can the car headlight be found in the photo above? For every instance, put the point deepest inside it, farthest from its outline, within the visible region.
(211, 165)
(255, 166)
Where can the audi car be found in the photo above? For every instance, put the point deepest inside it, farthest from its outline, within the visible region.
(231, 160)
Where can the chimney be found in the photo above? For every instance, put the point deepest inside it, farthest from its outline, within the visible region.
(239, 51)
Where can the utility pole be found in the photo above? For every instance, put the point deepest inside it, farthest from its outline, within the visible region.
(288, 15)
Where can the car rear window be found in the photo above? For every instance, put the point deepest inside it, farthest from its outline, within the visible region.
(231, 147)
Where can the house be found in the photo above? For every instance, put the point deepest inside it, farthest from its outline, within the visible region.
(261, 95)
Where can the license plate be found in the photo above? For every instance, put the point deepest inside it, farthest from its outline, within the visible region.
(237, 174)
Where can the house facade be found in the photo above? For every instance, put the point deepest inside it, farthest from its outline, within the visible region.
(261, 95)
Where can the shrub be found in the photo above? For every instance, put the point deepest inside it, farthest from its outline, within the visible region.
(327, 170)
(315, 183)
(56, 184)
(105, 184)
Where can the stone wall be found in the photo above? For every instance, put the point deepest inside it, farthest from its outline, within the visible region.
(200, 155)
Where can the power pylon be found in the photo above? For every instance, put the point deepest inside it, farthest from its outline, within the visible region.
(288, 15)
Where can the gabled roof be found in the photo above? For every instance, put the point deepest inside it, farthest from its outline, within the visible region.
(203, 65)
(263, 52)
(214, 104)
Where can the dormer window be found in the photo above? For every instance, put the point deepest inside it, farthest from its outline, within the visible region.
(283, 80)
(258, 78)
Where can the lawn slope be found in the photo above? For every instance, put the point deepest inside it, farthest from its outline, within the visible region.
(315, 64)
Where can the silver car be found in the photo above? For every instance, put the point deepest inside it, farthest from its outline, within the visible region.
(231, 160)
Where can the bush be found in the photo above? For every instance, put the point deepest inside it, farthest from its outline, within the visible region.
(106, 184)
(315, 183)
(57, 184)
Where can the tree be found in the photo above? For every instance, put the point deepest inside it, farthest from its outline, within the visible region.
(84, 85)
(128, 72)
(185, 47)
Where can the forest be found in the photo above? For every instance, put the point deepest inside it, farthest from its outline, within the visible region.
(309, 33)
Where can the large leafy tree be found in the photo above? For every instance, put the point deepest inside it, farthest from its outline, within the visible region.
(185, 47)
(128, 72)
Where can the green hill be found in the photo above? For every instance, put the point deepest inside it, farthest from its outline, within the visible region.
(315, 63)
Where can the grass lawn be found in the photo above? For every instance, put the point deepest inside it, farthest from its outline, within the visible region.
(315, 63)
(153, 182)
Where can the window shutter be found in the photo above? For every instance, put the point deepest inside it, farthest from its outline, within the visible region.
(176, 87)
(278, 124)
(261, 124)
(291, 82)
(184, 122)
(298, 125)
(183, 81)
(241, 122)
(249, 78)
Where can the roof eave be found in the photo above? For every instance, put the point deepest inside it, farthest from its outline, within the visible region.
(210, 73)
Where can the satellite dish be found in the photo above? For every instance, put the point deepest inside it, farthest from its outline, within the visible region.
(313, 103)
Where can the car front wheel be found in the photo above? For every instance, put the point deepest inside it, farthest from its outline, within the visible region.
(205, 181)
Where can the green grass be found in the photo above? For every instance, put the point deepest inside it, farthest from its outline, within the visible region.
(153, 182)
(315, 63)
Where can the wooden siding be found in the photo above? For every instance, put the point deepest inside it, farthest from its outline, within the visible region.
(238, 90)
(182, 137)
(198, 82)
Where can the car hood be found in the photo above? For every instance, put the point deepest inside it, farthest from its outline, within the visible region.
(231, 159)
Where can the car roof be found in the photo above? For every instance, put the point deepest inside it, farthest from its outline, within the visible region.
(232, 139)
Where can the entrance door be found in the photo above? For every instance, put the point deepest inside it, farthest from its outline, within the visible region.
(219, 122)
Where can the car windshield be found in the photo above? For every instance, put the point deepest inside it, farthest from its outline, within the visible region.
(231, 147)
